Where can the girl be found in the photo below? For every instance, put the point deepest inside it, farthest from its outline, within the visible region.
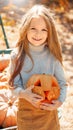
(37, 51)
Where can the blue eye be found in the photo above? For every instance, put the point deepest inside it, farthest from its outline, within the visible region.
(32, 28)
(44, 30)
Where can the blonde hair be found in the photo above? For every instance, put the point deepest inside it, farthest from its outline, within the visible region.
(52, 41)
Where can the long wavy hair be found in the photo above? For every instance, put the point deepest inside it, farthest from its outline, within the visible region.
(22, 44)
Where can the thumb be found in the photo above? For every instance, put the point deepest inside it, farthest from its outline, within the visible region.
(54, 101)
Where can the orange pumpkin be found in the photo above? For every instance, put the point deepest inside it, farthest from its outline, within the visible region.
(3, 77)
(3, 80)
(4, 61)
(8, 109)
(3, 85)
(45, 85)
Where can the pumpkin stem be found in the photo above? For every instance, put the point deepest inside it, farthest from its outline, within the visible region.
(10, 103)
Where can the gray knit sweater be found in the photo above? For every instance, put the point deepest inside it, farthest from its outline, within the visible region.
(44, 62)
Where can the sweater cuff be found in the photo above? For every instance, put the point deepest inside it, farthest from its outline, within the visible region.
(17, 91)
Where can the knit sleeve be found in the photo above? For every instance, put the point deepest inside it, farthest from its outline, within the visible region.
(18, 84)
(11, 66)
(60, 76)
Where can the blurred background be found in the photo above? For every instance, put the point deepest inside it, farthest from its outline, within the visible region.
(11, 12)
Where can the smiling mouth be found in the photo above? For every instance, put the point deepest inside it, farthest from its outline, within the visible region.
(36, 39)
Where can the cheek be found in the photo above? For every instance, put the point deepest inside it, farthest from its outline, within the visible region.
(45, 36)
(28, 35)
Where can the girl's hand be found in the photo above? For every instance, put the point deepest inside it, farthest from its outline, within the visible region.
(34, 99)
(55, 104)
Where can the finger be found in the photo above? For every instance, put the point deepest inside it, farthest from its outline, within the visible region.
(35, 105)
(49, 108)
(47, 105)
(38, 96)
(44, 107)
(54, 101)
(31, 87)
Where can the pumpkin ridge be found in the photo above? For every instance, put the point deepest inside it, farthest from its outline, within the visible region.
(9, 117)
(4, 118)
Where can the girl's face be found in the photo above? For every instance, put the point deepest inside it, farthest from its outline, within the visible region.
(37, 33)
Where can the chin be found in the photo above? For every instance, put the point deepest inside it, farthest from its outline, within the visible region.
(37, 44)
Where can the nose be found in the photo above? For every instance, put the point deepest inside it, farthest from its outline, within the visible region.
(37, 33)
